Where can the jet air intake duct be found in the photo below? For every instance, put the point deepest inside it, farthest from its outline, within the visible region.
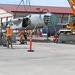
(26, 22)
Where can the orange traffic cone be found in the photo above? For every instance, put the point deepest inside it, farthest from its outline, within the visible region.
(30, 45)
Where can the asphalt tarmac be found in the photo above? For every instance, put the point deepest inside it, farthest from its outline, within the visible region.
(48, 58)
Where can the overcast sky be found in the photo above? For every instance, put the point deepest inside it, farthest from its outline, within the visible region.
(61, 3)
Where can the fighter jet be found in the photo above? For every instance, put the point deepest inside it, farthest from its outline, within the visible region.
(29, 22)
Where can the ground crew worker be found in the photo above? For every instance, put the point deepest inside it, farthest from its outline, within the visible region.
(22, 39)
(9, 36)
(55, 37)
(25, 35)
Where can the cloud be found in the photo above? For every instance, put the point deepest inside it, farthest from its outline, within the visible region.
(63, 3)
(50, 2)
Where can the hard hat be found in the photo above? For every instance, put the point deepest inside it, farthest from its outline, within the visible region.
(8, 25)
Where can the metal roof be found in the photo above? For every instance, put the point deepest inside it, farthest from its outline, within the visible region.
(52, 9)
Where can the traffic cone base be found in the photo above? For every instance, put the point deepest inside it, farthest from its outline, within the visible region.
(30, 50)
(30, 45)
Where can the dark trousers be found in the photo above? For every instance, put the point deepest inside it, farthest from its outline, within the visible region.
(9, 41)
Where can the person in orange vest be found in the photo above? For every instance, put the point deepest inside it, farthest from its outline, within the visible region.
(9, 36)
(22, 39)
(55, 37)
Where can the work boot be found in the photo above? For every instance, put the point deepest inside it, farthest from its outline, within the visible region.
(11, 46)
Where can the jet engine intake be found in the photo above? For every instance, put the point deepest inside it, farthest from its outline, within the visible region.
(26, 22)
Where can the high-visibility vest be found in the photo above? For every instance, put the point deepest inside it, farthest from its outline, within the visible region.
(30, 32)
(9, 32)
(22, 37)
(55, 36)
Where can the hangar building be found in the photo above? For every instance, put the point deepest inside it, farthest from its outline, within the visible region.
(8, 11)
